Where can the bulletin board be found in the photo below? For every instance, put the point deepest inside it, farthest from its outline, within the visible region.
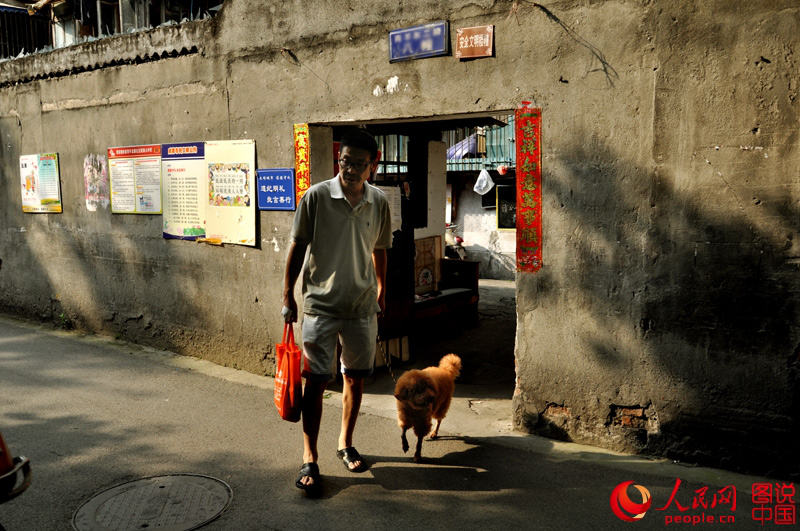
(506, 206)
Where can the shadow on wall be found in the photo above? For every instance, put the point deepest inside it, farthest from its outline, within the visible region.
(116, 274)
(705, 284)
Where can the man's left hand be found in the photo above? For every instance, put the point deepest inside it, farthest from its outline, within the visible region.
(382, 304)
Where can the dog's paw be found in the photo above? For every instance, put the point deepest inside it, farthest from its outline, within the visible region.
(405, 445)
(417, 458)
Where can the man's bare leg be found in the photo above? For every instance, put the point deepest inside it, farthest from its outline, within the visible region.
(353, 390)
(312, 416)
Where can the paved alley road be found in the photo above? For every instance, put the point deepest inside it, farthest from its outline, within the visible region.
(91, 413)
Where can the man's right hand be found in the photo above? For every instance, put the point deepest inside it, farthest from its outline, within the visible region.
(294, 263)
(289, 310)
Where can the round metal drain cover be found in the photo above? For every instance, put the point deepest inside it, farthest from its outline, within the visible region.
(177, 502)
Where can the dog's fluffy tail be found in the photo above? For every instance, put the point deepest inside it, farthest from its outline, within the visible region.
(452, 364)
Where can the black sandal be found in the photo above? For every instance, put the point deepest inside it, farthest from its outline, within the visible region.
(350, 455)
(310, 470)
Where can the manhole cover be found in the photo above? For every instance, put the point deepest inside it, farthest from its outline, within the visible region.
(169, 503)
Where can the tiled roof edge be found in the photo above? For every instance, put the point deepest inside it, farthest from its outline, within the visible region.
(139, 47)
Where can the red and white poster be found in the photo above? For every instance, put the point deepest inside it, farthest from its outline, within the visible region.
(135, 176)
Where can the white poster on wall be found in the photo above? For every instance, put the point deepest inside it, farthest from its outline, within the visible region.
(394, 196)
(184, 173)
(230, 178)
(95, 181)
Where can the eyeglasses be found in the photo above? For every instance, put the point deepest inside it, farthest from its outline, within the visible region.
(357, 166)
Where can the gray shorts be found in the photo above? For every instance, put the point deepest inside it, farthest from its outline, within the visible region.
(358, 337)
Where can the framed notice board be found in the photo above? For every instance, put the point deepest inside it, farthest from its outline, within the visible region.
(506, 206)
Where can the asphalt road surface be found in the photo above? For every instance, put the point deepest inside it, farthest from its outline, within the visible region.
(92, 413)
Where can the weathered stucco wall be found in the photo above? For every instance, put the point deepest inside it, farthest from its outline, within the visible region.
(666, 315)
(664, 319)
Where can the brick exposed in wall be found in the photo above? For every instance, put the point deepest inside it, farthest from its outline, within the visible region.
(556, 410)
(633, 417)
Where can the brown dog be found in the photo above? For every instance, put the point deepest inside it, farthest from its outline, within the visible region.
(425, 394)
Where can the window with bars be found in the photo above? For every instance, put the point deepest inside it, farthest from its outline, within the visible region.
(62, 23)
(475, 148)
(20, 32)
(394, 158)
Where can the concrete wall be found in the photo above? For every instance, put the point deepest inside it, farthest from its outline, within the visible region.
(665, 317)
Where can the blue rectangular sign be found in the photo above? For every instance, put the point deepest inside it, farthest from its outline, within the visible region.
(416, 42)
(186, 150)
(275, 189)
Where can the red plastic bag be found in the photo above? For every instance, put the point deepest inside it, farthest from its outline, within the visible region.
(288, 388)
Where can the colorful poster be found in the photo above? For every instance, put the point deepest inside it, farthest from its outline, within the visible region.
(302, 160)
(184, 169)
(95, 181)
(229, 184)
(528, 137)
(275, 189)
(135, 176)
(40, 183)
(230, 204)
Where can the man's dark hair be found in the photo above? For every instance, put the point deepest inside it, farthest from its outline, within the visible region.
(359, 138)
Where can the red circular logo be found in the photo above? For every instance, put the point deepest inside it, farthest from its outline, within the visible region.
(625, 508)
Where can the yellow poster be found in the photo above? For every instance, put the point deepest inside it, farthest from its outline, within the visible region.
(40, 183)
(302, 160)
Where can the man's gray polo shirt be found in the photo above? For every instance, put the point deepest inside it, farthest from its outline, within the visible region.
(339, 277)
